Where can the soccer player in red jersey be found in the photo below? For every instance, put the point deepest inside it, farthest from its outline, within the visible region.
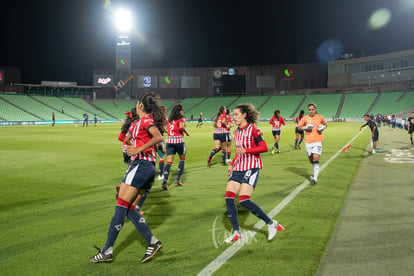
(175, 143)
(243, 171)
(227, 144)
(146, 133)
(299, 133)
(219, 136)
(276, 121)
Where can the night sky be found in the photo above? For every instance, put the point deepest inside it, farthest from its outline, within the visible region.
(65, 40)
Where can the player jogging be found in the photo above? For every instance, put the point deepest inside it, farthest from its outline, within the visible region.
(313, 125)
(175, 143)
(276, 121)
(219, 136)
(243, 171)
(140, 175)
(299, 133)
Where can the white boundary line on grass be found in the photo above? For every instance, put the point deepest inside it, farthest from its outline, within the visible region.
(229, 252)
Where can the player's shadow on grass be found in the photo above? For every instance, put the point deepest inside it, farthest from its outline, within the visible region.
(299, 171)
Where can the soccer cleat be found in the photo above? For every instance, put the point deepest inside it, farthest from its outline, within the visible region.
(313, 181)
(100, 257)
(278, 151)
(161, 177)
(178, 183)
(151, 250)
(273, 151)
(209, 162)
(165, 187)
(373, 151)
(235, 237)
(272, 230)
(298, 147)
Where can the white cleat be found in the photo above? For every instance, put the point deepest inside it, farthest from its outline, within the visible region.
(235, 237)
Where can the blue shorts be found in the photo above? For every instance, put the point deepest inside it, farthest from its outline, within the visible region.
(246, 177)
(276, 132)
(140, 174)
(228, 137)
(375, 136)
(222, 137)
(176, 148)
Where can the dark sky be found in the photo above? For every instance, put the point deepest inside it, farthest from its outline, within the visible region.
(65, 40)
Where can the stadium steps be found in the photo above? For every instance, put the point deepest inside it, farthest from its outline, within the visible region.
(374, 103)
(235, 100)
(340, 106)
(194, 106)
(402, 97)
(299, 106)
(83, 106)
(28, 112)
(51, 107)
(264, 103)
(101, 110)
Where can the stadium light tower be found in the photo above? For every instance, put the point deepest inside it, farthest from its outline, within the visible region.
(123, 22)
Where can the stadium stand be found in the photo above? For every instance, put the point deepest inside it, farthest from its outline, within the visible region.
(110, 108)
(257, 101)
(327, 103)
(287, 104)
(357, 104)
(192, 103)
(210, 106)
(78, 106)
(36, 108)
(10, 112)
(387, 103)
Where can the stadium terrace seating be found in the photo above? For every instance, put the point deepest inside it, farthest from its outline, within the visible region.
(211, 106)
(357, 104)
(124, 106)
(287, 104)
(327, 104)
(9, 112)
(190, 106)
(77, 107)
(257, 101)
(167, 103)
(110, 108)
(387, 103)
(32, 106)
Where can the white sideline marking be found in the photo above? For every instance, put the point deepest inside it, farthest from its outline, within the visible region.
(229, 252)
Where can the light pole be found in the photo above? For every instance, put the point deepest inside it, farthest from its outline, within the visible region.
(123, 21)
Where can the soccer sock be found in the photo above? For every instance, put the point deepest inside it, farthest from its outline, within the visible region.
(223, 156)
(315, 169)
(167, 172)
(296, 142)
(180, 169)
(116, 224)
(254, 208)
(140, 224)
(300, 141)
(142, 200)
(277, 145)
(228, 155)
(213, 152)
(161, 167)
(232, 210)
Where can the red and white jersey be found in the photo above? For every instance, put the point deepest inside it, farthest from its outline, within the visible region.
(121, 138)
(245, 138)
(219, 128)
(140, 136)
(277, 123)
(175, 135)
(228, 123)
(297, 120)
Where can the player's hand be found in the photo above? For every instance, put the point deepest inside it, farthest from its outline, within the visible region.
(229, 170)
(321, 128)
(131, 150)
(240, 150)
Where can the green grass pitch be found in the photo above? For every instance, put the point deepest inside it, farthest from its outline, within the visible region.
(58, 195)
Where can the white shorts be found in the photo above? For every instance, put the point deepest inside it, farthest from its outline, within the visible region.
(314, 148)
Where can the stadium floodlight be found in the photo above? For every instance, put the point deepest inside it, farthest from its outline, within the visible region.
(123, 20)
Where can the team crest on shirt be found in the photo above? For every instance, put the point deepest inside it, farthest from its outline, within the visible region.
(245, 134)
(309, 120)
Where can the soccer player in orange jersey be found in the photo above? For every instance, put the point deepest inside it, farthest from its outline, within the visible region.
(313, 124)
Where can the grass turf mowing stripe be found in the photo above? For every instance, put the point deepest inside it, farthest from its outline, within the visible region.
(229, 252)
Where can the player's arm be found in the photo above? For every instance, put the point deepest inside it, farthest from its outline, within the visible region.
(183, 129)
(128, 139)
(156, 138)
(282, 121)
(364, 125)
